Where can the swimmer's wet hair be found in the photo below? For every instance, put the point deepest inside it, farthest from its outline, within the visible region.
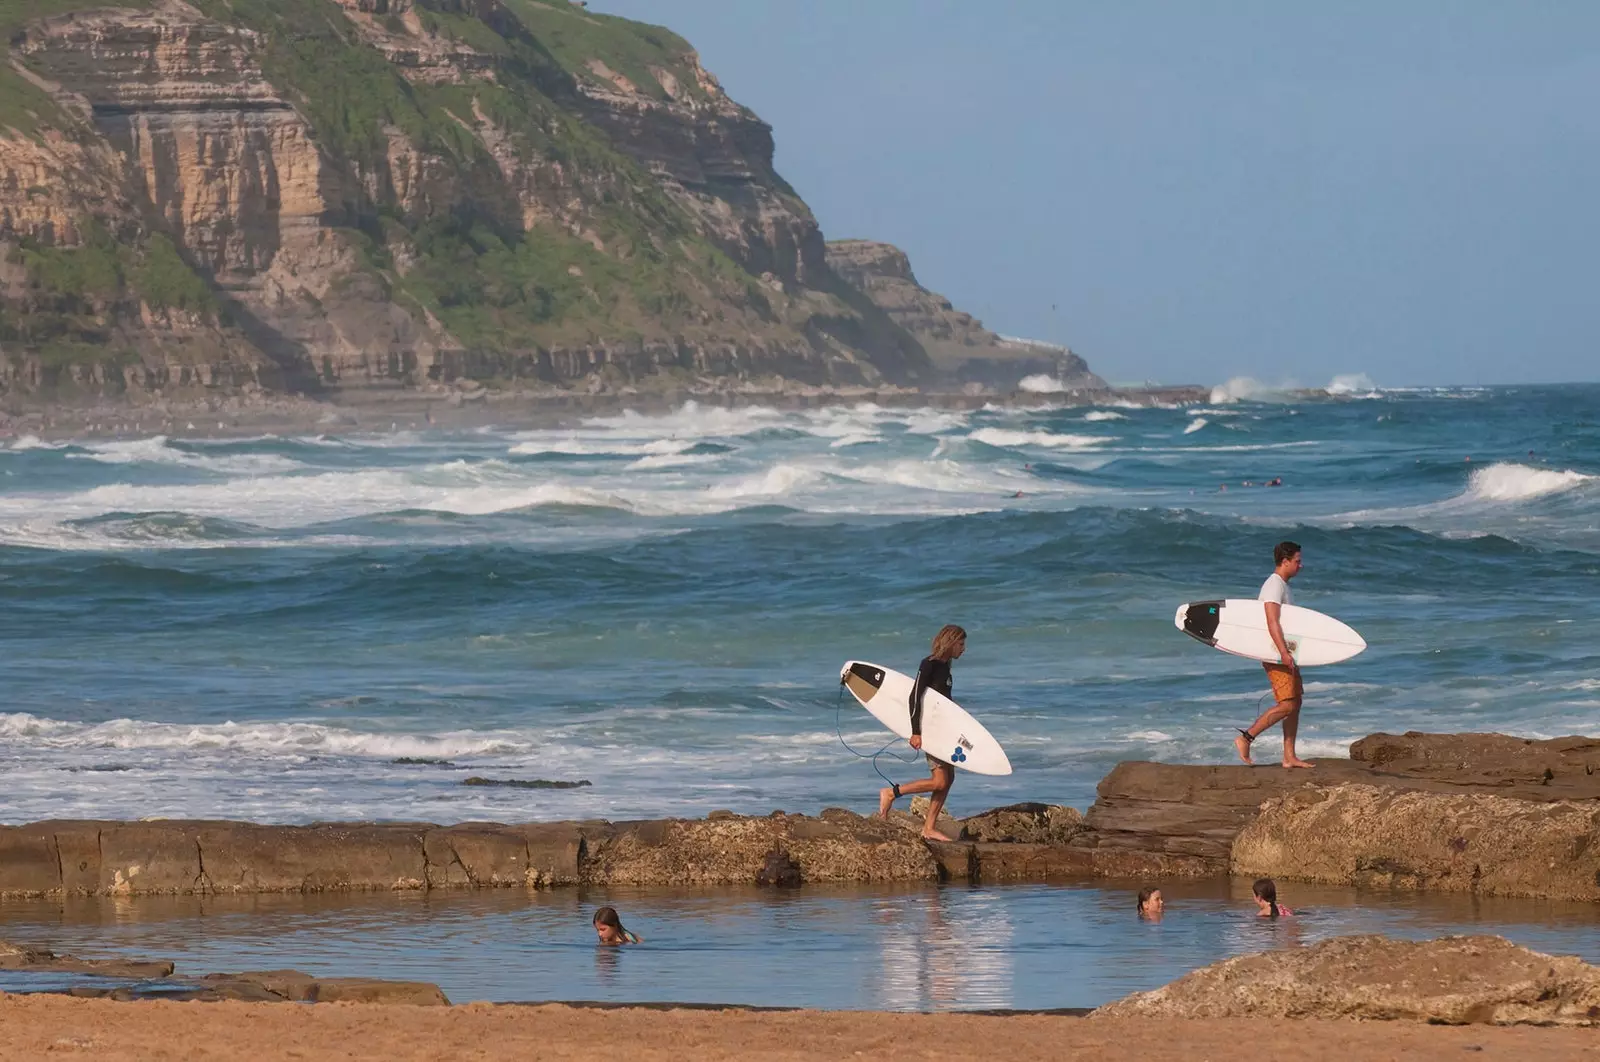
(1267, 889)
(607, 916)
(945, 642)
(1144, 896)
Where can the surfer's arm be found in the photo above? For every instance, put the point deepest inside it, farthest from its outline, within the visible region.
(917, 691)
(1274, 613)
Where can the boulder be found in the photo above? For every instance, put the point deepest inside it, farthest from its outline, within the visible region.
(1180, 809)
(1025, 824)
(1370, 836)
(1452, 980)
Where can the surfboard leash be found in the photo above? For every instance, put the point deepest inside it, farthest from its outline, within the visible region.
(838, 728)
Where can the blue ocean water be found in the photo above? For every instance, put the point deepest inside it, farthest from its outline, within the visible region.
(259, 628)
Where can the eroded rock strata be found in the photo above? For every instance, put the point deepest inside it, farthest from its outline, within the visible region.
(960, 346)
(345, 199)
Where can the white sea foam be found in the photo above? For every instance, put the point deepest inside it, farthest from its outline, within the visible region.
(1245, 389)
(1353, 384)
(266, 739)
(1006, 437)
(1041, 384)
(1508, 481)
(673, 460)
(933, 421)
(157, 450)
(597, 446)
(33, 442)
(1195, 425)
(1104, 414)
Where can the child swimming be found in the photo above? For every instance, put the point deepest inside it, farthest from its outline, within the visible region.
(608, 927)
(1266, 893)
(1151, 904)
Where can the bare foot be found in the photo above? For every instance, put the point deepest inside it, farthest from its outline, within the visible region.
(1242, 745)
(933, 835)
(1295, 761)
(885, 802)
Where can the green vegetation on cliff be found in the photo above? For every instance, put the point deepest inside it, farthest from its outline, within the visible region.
(23, 105)
(637, 266)
(476, 186)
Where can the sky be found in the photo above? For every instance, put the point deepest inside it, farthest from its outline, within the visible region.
(1188, 192)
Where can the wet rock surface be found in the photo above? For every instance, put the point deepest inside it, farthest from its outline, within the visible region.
(1452, 980)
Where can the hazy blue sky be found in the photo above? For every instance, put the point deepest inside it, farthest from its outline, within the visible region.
(1283, 190)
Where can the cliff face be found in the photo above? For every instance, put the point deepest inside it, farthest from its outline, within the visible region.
(325, 194)
(957, 342)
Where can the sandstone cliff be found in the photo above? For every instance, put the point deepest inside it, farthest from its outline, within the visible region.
(322, 195)
(957, 342)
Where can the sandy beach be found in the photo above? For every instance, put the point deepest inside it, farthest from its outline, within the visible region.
(52, 1027)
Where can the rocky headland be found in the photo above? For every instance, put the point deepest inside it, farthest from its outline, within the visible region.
(357, 200)
(1484, 814)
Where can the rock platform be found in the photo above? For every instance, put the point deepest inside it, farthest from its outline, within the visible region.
(1466, 812)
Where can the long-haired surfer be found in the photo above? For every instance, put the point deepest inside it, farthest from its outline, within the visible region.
(934, 674)
(1287, 689)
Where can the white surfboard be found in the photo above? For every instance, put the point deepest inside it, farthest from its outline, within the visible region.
(1239, 626)
(948, 732)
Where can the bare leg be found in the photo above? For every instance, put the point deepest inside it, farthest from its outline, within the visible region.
(1269, 718)
(943, 778)
(1291, 728)
(921, 785)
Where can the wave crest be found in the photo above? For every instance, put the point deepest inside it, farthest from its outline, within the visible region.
(1509, 481)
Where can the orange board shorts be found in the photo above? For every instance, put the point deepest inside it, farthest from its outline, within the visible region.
(1286, 684)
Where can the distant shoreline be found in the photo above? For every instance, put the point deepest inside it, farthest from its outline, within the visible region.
(372, 411)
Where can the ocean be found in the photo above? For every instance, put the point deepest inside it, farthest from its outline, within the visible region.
(298, 628)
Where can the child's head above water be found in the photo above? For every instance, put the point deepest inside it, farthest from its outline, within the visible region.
(608, 927)
(1150, 902)
(1266, 893)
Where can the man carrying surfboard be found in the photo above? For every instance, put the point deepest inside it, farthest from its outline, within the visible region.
(1287, 689)
(948, 645)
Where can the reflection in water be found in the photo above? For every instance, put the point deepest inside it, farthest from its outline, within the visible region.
(933, 960)
(606, 961)
(848, 948)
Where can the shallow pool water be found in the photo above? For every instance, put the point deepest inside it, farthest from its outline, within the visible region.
(923, 948)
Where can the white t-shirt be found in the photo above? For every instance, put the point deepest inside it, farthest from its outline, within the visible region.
(1276, 588)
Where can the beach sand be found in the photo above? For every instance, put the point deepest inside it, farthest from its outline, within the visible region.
(56, 1027)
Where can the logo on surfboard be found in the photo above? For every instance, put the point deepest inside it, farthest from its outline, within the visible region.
(958, 756)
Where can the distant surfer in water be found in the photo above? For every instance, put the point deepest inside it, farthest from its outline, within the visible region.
(1287, 688)
(948, 645)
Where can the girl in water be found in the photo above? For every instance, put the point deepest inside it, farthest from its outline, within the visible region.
(608, 927)
(948, 645)
(1266, 892)
(1151, 904)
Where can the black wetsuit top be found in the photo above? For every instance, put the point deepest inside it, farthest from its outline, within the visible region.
(934, 674)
